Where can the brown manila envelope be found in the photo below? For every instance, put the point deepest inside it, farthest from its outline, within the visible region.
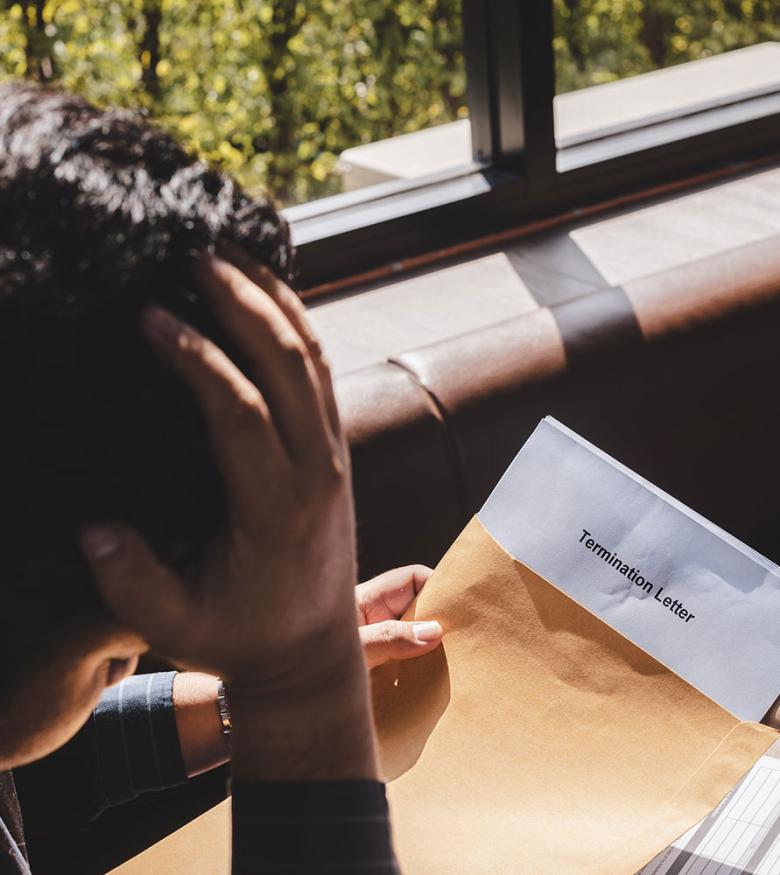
(543, 736)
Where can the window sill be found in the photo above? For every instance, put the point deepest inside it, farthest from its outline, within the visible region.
(667, 95)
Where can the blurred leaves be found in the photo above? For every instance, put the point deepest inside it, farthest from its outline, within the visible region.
(272, 91)
(275, 90)
(598, 41)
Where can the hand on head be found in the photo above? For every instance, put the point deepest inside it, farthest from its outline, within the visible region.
(270, 606)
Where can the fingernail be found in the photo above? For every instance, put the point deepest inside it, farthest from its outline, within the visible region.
(100, 542)
(161, 324)
(427, 632)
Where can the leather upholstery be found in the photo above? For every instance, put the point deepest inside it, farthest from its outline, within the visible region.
(676, 375)
(406, 481)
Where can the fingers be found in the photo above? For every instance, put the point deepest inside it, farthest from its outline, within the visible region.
(136, 587)
(389, 595)
(393, 639)
(292, 307)
(245, 442)
(276, 355)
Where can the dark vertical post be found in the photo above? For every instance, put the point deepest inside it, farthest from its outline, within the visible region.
(523, 39)
(480, 84)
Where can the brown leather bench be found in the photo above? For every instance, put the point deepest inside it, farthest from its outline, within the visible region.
(676, 375)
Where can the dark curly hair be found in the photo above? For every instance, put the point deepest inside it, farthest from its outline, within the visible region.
(101, 213)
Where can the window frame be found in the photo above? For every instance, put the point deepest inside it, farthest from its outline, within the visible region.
(518, 174)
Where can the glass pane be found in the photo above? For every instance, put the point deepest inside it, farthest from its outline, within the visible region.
(622, 64)
(273, 91)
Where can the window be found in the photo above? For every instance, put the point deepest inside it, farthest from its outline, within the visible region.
(391, 127)
(571, 103)
(631, 65)
(604, 42)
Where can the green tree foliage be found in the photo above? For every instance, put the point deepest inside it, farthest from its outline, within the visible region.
(275, 90)
(598, 41)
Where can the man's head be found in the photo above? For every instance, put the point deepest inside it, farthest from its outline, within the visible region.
(100, 214)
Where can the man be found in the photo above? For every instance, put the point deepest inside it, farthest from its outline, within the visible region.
(175, 476)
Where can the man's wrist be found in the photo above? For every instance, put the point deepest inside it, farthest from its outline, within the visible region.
(202, 743)
(316, 727)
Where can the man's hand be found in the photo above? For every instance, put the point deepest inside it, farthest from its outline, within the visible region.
(381, 602)
(270, 607)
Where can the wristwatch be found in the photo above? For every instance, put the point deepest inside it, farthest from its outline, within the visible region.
(223, 711)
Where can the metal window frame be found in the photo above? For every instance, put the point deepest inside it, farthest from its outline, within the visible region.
(518, 175)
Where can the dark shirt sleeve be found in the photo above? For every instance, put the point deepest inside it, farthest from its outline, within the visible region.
(312, 827)
(129, 745)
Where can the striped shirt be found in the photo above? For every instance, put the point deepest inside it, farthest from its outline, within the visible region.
(131, 745)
